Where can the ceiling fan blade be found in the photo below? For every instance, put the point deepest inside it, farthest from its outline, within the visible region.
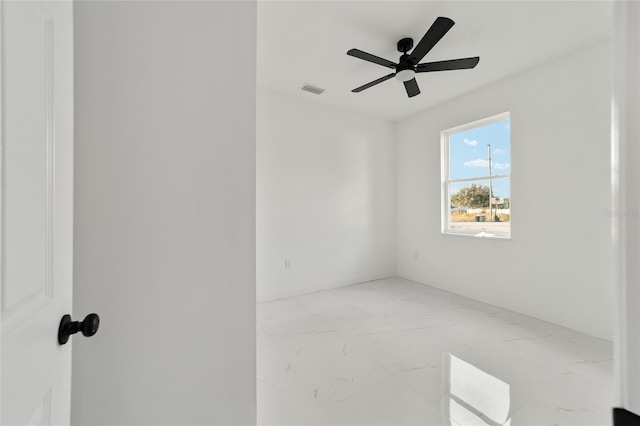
(412, 87)
(356, 53)
(452, 64)
(431, 38)
(373, 83)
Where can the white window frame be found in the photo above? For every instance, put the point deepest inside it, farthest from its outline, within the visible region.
(445, 181)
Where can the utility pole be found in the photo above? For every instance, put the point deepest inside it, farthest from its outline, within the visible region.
(490, 185)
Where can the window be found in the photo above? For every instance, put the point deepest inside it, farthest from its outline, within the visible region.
(476, 170)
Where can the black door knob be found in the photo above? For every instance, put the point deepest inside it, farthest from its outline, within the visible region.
(88, 327)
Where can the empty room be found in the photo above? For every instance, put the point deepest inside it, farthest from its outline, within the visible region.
(319, 213)
(434, 249)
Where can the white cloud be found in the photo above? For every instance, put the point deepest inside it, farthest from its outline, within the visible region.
(500, 166)
(499, 151)
(470, 142)
(477, 163)
(508, 126)
(484, 163)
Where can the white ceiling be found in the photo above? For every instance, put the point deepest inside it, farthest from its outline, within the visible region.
(307, 41)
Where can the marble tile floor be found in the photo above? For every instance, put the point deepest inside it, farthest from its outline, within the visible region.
(395, 352)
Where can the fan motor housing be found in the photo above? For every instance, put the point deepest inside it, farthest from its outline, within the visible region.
(405, 63)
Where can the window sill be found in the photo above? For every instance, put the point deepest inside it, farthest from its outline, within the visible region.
(476, 234)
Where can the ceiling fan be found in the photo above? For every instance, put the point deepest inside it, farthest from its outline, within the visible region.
(408, 64)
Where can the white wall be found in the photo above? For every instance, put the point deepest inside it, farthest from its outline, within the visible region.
(558, 264)
(325, 196)
(165, 212)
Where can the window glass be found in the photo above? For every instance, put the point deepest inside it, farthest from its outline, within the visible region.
(476, 178)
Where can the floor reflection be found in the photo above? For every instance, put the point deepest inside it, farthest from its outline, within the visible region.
(475, 396)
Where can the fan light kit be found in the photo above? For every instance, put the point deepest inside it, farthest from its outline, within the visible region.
(405, 75)
(408, 65)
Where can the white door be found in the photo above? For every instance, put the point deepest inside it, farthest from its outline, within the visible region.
(36, 53)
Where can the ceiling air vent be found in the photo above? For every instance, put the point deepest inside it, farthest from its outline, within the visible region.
(312, 89)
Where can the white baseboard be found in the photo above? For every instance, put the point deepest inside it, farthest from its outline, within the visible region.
(299, 290)
(563, 319)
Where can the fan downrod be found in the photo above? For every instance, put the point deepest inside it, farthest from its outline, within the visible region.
(405, 45)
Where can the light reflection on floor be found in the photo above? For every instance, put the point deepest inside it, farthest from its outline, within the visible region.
(395, 352)
(474, 396)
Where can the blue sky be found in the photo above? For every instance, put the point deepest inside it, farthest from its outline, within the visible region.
(468, 155)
